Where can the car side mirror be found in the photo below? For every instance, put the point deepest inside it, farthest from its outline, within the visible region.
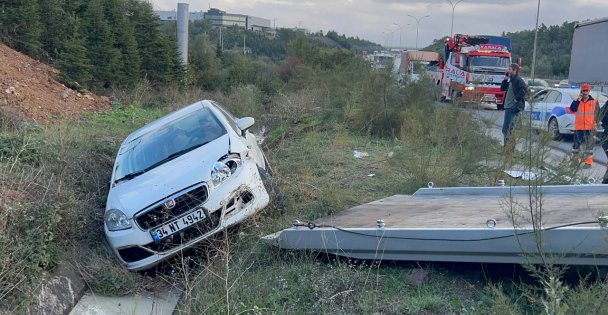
(245, 123)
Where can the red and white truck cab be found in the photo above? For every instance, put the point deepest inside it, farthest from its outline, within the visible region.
(474, 68)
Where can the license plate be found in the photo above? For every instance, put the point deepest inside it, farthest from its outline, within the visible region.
(177, 225)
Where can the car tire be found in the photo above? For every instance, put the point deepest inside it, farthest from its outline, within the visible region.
(277, 199)
(553, 128)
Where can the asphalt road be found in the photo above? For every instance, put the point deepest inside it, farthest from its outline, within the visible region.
(564, 145)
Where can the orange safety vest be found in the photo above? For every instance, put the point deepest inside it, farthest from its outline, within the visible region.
(584, 118)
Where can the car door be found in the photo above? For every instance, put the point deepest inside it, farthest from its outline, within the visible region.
(553, 107)
(538, 109)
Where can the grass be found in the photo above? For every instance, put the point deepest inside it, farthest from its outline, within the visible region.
(53, 188)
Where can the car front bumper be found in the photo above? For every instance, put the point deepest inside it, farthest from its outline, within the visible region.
(234, 200)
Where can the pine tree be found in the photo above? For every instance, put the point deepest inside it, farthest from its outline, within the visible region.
(72, 61)
(21, 26)
(100, 44)
(122, 29)
(159, 56)
(55, 27)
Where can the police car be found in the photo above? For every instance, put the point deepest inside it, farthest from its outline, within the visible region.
(549, 110)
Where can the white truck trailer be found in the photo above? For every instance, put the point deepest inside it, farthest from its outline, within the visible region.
(588, 57)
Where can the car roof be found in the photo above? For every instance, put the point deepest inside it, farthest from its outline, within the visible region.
(563, 90)
(165, 119)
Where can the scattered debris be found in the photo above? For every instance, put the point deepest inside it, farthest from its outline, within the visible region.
(360, 154)
(390, 154)
(522, 174)
(371, 175)
(260, 136)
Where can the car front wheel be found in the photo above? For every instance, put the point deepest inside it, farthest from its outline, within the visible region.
(553, 128)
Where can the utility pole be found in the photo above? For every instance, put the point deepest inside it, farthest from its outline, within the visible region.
(243, 43)
(221, 40)
(453, 4)
(535, 39)
(417, 24)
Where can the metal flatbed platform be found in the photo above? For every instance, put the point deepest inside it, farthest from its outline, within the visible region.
(466, 224)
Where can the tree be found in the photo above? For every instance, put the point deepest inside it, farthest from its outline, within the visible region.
(304, 50)
(21, 26)
(56, 27)
(72, 61)
(205, 65)
(125, 42)
(160, 60)
(100, 44)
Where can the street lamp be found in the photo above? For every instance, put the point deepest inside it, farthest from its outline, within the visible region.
(391, 32)
(535, 39)
(386, 35)
(454, 4)
(417, 24)
(400, 32)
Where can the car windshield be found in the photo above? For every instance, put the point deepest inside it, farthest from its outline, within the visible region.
(488, 62)
(167, 142)
(537, 82)
(600, 97)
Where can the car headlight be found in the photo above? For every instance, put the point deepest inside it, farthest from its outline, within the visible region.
(224, 168)
(469, 88)
(116, 220)
(220, 173)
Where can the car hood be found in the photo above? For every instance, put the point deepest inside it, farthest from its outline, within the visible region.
(167, 179)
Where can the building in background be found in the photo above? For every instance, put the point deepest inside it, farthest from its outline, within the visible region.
(172, 15)
(219, 18)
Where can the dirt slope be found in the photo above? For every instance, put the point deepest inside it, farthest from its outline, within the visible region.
(28, 89)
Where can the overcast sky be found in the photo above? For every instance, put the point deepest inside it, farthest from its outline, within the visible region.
(375, 19)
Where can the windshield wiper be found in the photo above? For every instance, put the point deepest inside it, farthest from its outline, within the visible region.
(129, 176)
(163, 161)
(174, 155)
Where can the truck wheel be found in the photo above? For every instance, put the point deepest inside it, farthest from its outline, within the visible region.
(277, 199)
(553, 129)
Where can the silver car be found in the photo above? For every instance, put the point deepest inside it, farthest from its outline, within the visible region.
(550, 110)
(181, 179)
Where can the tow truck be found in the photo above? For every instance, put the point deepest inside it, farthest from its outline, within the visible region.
(474, 67)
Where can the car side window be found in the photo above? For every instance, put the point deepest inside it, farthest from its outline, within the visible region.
(552, 97)
(540, 96)
(559, 98)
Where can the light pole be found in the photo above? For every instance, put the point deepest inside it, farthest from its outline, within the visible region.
(417, 24)
(400, 32)
(386, 35)
(535, 39)
(454, 4)
(389, 31)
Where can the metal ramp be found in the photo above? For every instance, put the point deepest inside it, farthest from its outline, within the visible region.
(466, 224)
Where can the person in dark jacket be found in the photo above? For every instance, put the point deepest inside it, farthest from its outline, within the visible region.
(514, 102)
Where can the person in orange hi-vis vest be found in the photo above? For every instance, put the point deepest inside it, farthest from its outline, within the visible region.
(585, 109)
